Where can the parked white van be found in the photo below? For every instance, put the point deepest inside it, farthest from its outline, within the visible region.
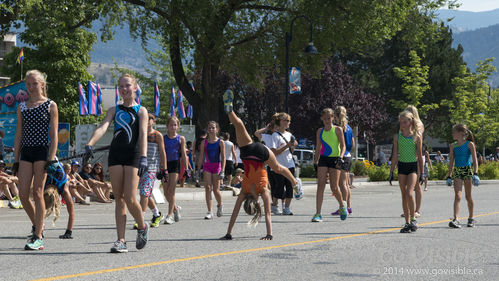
(305, 157)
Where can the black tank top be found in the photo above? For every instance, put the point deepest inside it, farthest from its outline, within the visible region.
(126, 127)
(36, 123)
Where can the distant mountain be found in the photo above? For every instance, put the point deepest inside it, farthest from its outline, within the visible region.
(478, 45)
(123, 49)
(465, 20)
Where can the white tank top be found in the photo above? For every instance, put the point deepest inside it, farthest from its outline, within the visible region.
(228, 150)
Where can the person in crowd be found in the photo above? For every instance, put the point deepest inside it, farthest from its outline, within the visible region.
(463, 166)
(35, 146)
(127, 159)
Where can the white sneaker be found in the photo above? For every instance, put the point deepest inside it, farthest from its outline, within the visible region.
(176, 213)
(169, 220)
(287, 212)
(275, 210)
(220, 210)
(209, 216)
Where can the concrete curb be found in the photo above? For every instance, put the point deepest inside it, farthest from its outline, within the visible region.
(199, 195)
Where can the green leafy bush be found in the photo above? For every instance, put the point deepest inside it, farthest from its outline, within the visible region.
(439, 171)
(378, 173)
(489, 171)
(308, 172)
(358, 168)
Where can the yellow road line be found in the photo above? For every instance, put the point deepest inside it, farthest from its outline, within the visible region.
(239, 251)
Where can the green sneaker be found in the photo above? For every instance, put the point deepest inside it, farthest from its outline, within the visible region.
(119, 247)
(317, 218)
(142, 237)
(228, 97)
(35, 243)
(343, 211)
(157, 220)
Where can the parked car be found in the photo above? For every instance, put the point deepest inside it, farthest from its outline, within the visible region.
(305, 157)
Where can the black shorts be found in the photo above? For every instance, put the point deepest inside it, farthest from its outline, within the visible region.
(347, 163)
(330, 162)
(240, 166)
(173, 166)
(283, 187)
(123, 157)
(406, 168)
(229, 167)
(255, 151)
(34, 153)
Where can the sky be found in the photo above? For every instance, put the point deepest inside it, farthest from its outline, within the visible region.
(478, 5)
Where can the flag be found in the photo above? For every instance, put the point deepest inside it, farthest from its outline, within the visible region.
(137, 94)
(156, 99)
(172, 103)
(20, 57)
(190, 111)
(99, 101)
(180, 105)
(92, 98)
(116, 95)
(83, 100)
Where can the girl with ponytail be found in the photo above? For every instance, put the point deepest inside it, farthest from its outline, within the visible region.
(407, 155)
(462, 151)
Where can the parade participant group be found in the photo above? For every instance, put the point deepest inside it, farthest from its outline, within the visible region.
(139, 154)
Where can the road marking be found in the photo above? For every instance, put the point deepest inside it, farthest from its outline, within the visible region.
(240, 251)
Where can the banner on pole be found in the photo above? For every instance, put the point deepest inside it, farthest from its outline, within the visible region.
(294, 80)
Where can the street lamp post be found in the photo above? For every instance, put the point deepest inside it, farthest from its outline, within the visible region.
(310, 49)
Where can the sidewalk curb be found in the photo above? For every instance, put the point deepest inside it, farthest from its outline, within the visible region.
(199, 195)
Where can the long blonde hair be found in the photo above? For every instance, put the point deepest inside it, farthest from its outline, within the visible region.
(340, 115)
(414, 128)
(41, 77)
(52, 202)
(412, 109)
(252, 207)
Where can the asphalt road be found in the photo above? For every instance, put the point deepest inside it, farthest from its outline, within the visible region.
(367, 246)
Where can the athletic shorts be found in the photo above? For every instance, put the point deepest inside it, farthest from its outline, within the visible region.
(212, 168)
(462, 173)
(173, 166)
(347, 163)
(123, 157)
(329, 162)
(255, 151)
(229, 167)
(146, 183)
(33, 154)
(407, 168)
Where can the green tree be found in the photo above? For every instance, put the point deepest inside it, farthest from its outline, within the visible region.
(248, 36)
(415, 82)
(472, 105)
(58, 45)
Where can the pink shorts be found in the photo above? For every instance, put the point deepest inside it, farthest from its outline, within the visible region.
(212, 168)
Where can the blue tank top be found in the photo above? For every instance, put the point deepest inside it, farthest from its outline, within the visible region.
(212, 151)
(348, 134)
(172, 147)
(462, 155)
(58, 178)
(126, 127)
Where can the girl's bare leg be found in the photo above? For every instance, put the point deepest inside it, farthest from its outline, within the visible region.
(458, 188)
(208, 186)
(25, 179)
(242, 136)
(469, 199)
(334, 178)
(38, 183)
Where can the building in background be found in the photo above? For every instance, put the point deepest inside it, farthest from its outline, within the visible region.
(8, 41)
